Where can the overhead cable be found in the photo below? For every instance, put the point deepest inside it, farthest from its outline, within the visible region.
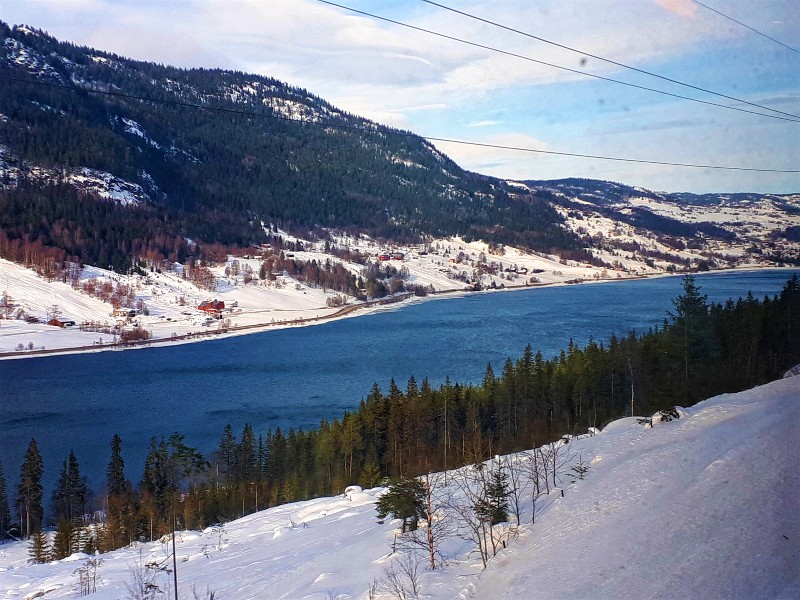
(789, 117)
(600, 58)
(721, 14)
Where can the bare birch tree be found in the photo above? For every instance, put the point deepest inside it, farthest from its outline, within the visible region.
(437, 526)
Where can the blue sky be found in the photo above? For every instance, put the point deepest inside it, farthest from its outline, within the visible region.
(440, 88)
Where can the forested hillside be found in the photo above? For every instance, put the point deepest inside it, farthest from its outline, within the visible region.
(702, 349)
(78, 126)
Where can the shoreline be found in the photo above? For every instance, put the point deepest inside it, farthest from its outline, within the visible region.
(344, 312)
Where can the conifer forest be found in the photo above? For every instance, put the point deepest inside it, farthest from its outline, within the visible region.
(407, 429)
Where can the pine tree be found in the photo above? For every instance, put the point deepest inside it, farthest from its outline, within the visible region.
(29, 491)
(167, 465)
(5, 513)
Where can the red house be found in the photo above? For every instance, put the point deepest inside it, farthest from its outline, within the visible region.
(213, 307)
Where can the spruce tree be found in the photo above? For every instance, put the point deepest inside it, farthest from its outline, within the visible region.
(63, 539)
(695, 335)
(39, 547)
(403, 500)
(370, 474)
(117, 530)
(263, 457)
(69, 495)
(497, 494)
(246, 457)
(29, 492)
(115, 473)
(5, 513)
(226, 454)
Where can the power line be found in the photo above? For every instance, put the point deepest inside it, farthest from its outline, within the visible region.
(790, 117)
(596, 157)
(600, 58)
(384, 131)
(714, 10)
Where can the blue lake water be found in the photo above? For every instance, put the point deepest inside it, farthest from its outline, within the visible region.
(295, 377)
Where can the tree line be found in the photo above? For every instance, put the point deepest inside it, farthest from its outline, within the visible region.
(699, 350)
(213, 177)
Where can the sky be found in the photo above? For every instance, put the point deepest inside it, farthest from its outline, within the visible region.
(441, 88)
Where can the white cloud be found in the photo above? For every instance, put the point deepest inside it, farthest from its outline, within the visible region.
(424, 83)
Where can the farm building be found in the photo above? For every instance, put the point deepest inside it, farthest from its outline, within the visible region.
(212, 307)
(61, 323)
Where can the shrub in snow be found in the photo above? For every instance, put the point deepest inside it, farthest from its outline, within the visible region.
(669, 414)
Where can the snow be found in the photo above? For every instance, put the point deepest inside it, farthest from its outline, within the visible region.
(27, 57)
(700, 507)
(134, 128)
(105, 185)
(100, 183)
(407, 163)
(752, 223)
(172, 301)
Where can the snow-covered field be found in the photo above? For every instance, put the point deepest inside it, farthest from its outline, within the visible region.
(700, 507)
(172, 301)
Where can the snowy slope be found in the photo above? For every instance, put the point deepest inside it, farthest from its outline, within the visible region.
(705, 507)
(701, 507)
(445, 265)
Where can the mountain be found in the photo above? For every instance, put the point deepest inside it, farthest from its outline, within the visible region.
(103, 158)
(676, 230)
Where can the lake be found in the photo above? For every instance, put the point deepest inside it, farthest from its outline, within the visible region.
(295, 377)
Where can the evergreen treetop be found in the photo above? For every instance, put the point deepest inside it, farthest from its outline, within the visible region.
(29, 491)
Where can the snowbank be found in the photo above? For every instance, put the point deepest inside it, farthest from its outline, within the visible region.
(704, 506)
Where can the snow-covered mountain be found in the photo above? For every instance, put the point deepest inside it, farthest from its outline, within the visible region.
(210, 154)
(703, 506)
(675, 230)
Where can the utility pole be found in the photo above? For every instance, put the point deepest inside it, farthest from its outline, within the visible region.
(174, 557)
(631, 370)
